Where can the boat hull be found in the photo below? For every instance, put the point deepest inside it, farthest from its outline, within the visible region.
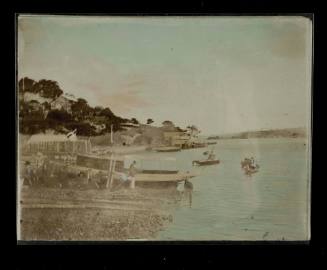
(168, 149)
(205, 162)
(160, 177)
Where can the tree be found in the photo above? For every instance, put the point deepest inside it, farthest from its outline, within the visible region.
(59, 116)
(149, 121)
(107, 113)
(135, 121)
(168, 123)
(98, 110)
(46, 105)
(26, 85)
(83, 129)
(47, 89)
(80, 109)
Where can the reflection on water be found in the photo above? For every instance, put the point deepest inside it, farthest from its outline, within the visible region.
(250, 192)
(228, 205)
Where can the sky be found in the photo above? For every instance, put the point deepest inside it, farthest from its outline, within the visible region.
(222, 74)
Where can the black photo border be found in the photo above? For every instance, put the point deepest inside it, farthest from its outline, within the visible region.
(101, 255)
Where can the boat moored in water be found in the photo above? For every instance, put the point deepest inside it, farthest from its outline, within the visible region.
(210, 143)
(167, 149)
(249, 166)
(205, 162)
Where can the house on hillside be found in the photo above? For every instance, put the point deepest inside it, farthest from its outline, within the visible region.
(63, 102)
(176, 138)
(70, 97)
(28, 96)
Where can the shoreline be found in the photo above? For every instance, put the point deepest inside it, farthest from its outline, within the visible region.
(120, 215)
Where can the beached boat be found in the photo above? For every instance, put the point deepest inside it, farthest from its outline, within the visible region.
(167, 149)
(157, 169)
(205, 162)
(118, 166)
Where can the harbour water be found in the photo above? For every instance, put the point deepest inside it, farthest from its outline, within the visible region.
(272, 204)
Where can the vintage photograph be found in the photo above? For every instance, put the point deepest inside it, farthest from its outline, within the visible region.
(163, 128)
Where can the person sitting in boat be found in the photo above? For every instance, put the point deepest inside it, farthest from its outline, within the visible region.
(188, 189)
(246, 163)
(211, 156)
(252, 164)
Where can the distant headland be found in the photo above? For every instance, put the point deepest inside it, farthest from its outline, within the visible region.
(299, 132)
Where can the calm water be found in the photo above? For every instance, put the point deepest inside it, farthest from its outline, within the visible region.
(227, 205)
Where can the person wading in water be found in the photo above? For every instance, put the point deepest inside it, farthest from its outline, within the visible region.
(188, 189)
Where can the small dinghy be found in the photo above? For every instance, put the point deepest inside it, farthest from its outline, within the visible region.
(249, 166)
(205, 162)
(251, 170)
(167, 149)
(211, 160)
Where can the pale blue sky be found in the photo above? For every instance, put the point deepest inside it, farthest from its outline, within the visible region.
(223, 74)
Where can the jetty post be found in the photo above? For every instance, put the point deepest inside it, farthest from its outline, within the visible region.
(109, 171)
(112, 173)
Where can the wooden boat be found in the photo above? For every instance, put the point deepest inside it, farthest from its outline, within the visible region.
(209, 143)
(248, 169)
(205, 162)
(88, 163)
(167, 149)
(194, 145)
(160, 176)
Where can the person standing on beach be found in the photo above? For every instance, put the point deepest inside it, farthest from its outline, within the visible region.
(131, 174)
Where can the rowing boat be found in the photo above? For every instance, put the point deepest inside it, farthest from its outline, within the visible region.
(205, 162)
(167, 149)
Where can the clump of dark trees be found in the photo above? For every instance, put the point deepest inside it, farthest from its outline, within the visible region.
(37, 118)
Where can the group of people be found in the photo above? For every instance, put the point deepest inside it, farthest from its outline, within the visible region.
(128, 179)
(249, 164)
